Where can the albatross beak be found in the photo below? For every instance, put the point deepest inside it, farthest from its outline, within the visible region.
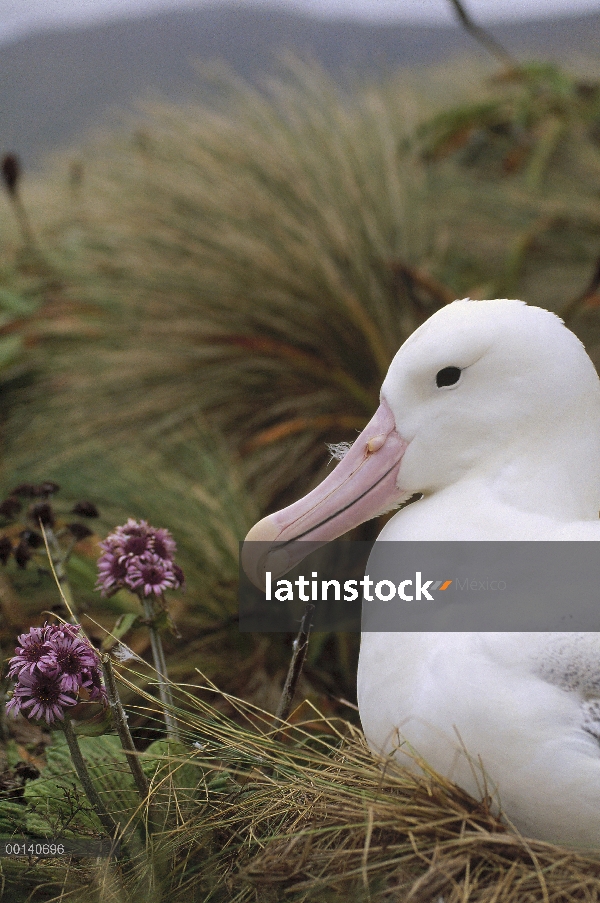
(363, 485)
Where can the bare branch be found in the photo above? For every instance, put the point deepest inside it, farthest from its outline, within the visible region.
(295, 669)
(485, 39)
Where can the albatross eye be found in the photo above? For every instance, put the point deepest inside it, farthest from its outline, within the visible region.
(447, 377)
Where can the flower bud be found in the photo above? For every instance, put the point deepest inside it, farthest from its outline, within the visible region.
(22, 554)
(42, 514)
(10, 507)
(5, 549)
(33, 539)
(11, 171)
(85, 509)
(79, 531)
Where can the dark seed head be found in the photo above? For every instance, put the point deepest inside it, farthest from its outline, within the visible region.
(47, 488)
(42, 514)
(5, 549)
(11, 170)
(24, 490)
(22, 554)
(85, 509)
(79, 531)
(10, 507)
(26, 771)
(33, 539)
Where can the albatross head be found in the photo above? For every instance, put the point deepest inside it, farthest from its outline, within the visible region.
(493, 389)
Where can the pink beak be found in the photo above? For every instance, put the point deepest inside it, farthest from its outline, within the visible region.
(363, 485)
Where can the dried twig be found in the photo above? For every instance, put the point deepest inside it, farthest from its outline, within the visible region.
(122, 728)
(11, 174)
(300, 649)
(485, 39)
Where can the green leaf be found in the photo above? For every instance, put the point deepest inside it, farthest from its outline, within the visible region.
(56, 800)
(13, 756)
(161, 620)
(94, 727)
(122, 626)
(12, 817)
(11, 347)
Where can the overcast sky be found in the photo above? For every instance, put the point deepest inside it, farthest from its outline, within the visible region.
(19, 16)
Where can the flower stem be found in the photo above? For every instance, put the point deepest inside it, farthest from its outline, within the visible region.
(83, 774)
(160, 664)
(120, 722)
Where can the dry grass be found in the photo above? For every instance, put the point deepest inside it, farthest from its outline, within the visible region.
(312, 816)
(260, 258)
(241, 263)
(316, 817)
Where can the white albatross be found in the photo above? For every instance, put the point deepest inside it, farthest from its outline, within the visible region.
(490, 410)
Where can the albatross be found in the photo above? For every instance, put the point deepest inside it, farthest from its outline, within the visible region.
(490, 411)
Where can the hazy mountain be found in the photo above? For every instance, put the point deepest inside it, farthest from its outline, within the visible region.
(54, 85)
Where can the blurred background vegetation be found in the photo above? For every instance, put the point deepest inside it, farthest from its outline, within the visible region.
(193, 305)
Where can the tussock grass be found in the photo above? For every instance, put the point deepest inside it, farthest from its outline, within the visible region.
(315, 816)
(312, 815)
(249, 256)
(259, 258)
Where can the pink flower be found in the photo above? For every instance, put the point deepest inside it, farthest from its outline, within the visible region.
(53, 663)
(33, 647)
(151, 574)
(112, 573)
(71, 657)
(139, 557)
(42, 694)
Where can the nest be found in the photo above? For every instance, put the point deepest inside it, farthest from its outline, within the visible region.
(310, 814)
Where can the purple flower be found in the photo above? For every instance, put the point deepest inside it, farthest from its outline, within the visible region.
(163, 543)
(42, 694)
(72, 630)
(52, 665)
(134, 546)
(112, 573)
(151, 574)
(139, 557)
(33, 647)
(69, 655)
(91, 681)
(179, 576)
(134, 528)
